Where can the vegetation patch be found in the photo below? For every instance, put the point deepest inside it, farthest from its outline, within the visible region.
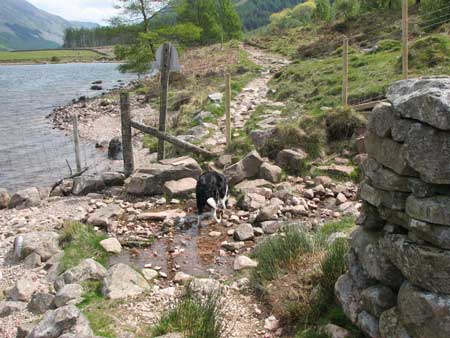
(431, 51)
(80, 241)
(52, 55)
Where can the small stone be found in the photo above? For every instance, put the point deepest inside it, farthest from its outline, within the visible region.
(23, 290)
(271, 324)
(69, 294)
(215, 234)
(149, 274)
(244, 232)
(244, 262)
(111, 245)
(182, 278)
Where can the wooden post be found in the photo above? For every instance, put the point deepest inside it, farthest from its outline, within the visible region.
(345, 74)
(228, 107)
(405, 33)
(165, 69)
(127, 145)
(76, 141)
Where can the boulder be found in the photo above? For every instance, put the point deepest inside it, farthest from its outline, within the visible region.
(112, 179)
(105, 216)
(400, 130)
(377, 299)
(41, 303)
(248, 167)
(425, 266)
(9, 307)
(394, 216)
(150, 181)
(268, 213)
(388, 153)
(337, 169)
(23, 290)
(271, 324)
(368, 324)
(434, 210)
(86, 184)
(26, 198)
(205, 286)
(356, 271)
(88, 269)
(270, 172)
(435, 234)
(423, 313)
(111, 245)
(244, 262)
(115, 151)
(66, 319)
(251, 202)
(32, 261)
(292, 160)
(383, 178)
(4, 198)
(182, 278)
(122, 281)
(244, 232)
(348, 295)
(390, 325)
(428, 153)
(149, 274)
(45, 244)
(382, 119)
(249, 186)
(69, 294)
(180, 188)
(271, 227)
(377, 197)
(334, 331)
(424, 99)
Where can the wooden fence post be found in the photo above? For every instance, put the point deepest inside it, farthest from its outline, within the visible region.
(405, 33)
(228, 107)
(76, 141)
(127, 145)
(165, 69)
(345, 74)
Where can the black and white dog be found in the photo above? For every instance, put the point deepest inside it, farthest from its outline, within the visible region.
(211, 191)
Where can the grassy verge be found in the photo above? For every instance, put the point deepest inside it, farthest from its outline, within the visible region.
(81, 241)
(52, 56)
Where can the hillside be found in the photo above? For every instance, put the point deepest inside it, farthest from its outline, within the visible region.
(23, 26)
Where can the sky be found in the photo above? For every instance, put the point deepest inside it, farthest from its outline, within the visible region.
(79, 10)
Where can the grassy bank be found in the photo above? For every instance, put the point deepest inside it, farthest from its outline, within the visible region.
(52, 56)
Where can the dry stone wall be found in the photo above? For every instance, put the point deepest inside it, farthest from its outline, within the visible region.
(398, 279)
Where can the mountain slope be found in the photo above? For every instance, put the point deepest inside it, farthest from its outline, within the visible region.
(23, 26)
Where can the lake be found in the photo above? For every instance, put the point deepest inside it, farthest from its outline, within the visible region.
(31, 152)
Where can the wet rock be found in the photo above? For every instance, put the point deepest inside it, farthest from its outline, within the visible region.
(270, 172)
(32, 261)
(88, 269)
(4, 198)
(422, 313)
(428, 152)
(105, 216)
(244, 262)
(377, 197)
(86, 184)
(348, 295)
(424, 99)
(23, 290)
(122, 281)
(334, 331)
(382, 119)
(248, 167)
(377, 299)
(433, 209)
(41, 303)
(180, 188)
(204, 286)
(113, 179)
(115, 149)
(9, 307)
(66, 319)
(69, 294)
(26, 198)
(368, 324)
(292, 160)
(390, 325)
(111, 245)
(44, 244)
(244, 232)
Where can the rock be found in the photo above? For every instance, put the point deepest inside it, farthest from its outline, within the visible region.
(244, 232)
(41, 303)
(204, 286)
(112, 179)
(373, 257)
(86, 184)
(32, 261)
(270, 227)
(336, 236)
(66, 319)
(249, 186)
(26, 198)
(216, 98)
(111, 245)
(341, 198)
(161, 215)
(248, 167)
(4, 198)
(180, 188)
(334, 331)
(44, 244)
(348, 295)
(422, 313)
(261, 137)
(292, 160)
(182, 278)
(377, 197)
(96, 87)
(377, 299)
(115, 149)
(389, 153)
(356, 271)
(88, 269)
(244, 262)
(23, 330)
(251, 202)
(383, 178)
(271, 324)
(432, 210)
(350, 208)
(150, 181)
(422, 265)
(233, 246)
(394, 216)
(9, 307)
(105, 216)
(390, 325)
(435, 234)
(368, 324)
(171, 335)
(69, 294)
(382, 119)
(23, 290)
(122, 281)
(268, 213)
(370, 217)
(424, 99)
(336, 169)
(270, 172)
(427, 152)
(149, 274)
(203, 115)
(400, 130)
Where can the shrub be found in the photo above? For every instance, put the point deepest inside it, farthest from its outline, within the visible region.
(323, 10)
(341, 124)
(346, 9)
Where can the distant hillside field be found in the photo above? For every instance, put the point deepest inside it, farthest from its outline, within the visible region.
(54, 56)
(23, 26)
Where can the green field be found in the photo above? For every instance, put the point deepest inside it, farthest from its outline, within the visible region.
(54, 56)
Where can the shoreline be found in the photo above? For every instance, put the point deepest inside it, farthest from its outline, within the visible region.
(29, 63)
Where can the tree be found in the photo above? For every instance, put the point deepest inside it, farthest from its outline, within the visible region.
(346, 9)
(323, 10)
(137, 11)
(229, 20)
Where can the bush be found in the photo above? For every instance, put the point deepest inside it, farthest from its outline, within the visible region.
(341, 124)
(323, 10)
(346, 9)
